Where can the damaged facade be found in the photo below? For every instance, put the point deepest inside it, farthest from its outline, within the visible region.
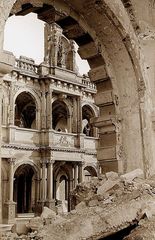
(117, 38)
(48, 142)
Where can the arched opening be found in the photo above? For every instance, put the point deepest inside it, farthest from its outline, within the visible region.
(107, 41)
(60, 117)
(62, 190)
(63, 173)
(87, 127)
(25, 188)
(89, 172)
(25, 111)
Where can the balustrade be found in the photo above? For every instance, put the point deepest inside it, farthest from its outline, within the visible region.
(26, 66)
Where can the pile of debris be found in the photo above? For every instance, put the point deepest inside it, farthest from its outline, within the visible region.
(104, 206)
(107, 207)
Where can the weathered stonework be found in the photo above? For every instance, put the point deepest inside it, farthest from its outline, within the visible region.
(117, 39)
(38, 130)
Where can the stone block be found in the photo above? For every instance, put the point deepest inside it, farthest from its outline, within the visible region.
(10, 208)
(149, 209)
(80, 206)
(98, 73)
(93, 203)
(87, 51)
(43, 69)
(108, 185)
(7, 62)
(128, 177)
(35, 223)
(21, 229)
(104, 98)
(106, 153)
(47, 213)
(112, 175)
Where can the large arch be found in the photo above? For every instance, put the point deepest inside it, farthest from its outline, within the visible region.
(115, 41)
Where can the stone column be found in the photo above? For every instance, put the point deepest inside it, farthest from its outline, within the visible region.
(48, 105)
(50, 201)
(10, 204)
(75, 174)
(69, 123)
(40, 184)
(38, 188)
(43, 112)
(71, 184)
(80, 172)
(7, 61)
(43, 182)
(79, 115)
(11, 110)
(11, 179)
(74, 128)
(79, 123)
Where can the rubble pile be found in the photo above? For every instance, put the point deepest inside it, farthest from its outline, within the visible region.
(104, 206)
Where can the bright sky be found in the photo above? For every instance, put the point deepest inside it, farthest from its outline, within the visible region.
(24, 35)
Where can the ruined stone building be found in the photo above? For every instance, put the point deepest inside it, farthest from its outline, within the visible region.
(55, 147)
(48, 141)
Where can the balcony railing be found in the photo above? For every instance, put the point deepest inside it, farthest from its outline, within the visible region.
(21, 136)
(59, 140)
(26, 65)
(62, 139)
(90, 143)
(88, 84)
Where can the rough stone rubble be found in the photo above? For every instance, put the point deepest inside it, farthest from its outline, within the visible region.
(103, 206)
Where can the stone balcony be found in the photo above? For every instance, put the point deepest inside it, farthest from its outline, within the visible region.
(27, 67)
(31, 138)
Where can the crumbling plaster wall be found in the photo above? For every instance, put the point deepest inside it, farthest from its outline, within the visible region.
(144, 16)
(119, 46)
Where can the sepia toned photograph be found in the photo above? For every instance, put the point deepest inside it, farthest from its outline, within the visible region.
(77, 120)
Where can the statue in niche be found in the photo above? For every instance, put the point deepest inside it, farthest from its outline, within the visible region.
(61, 55)
(48, 50)
(52, 35)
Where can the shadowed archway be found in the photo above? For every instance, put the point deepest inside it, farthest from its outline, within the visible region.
(25, 111)
(25, 188)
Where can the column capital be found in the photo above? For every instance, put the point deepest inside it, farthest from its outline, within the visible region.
(50, 161)
(82, 163)
(11, 160)
(47, 162)
(42, 163)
